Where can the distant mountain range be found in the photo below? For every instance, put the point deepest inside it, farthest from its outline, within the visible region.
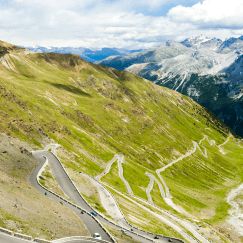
(208, 70)
(85, 53)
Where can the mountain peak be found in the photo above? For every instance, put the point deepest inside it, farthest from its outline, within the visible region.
(232, 44)
(202, 41)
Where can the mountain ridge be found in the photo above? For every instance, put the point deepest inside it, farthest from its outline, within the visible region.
(183, 66)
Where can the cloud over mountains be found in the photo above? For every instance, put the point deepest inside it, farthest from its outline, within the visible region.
(116, 23)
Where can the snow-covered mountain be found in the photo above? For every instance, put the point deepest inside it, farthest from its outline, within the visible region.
(232, 44)
(202, 42)
(207, 69)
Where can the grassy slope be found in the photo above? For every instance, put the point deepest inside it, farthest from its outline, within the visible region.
(22, 206)
(95, 112)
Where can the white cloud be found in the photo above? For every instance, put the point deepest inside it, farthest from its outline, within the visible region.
(211, 14)
(114, 23)
(80, 23)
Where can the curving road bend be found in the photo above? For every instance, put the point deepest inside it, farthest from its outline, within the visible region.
(71, 191)
(92, 225)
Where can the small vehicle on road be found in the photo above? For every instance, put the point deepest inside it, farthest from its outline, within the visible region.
(97, 236)
(156, 237)
(93, 213)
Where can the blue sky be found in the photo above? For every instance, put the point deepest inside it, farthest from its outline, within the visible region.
(116, 23)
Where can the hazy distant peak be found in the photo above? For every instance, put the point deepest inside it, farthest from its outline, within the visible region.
(202, 41)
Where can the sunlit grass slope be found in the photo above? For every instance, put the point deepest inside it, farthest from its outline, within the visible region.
(95, 112)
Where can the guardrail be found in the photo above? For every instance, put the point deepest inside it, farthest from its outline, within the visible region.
(67, 201)
(110, 222)
(30, 238)
(41, 240)
(22, 236)
(132, 226)
(168, 237)
(63, 240)
(6, 231)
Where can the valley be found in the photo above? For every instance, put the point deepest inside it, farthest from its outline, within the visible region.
(145, 159)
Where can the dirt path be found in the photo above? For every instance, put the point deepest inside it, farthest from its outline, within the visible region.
(106, 197)
(166, 195)
(120, 160)
(164, 190)
(196, 146)
(108, 168)
(108, 202)
(187, 154)
(162, 218)
(170, 220)
(220, 147)
(150, 187)
(176, 223)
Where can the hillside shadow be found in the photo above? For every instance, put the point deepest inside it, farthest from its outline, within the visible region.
(70, 88)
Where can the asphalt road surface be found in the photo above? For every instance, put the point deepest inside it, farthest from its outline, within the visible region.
(71, 191)
(5, 238)
(92, 225)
